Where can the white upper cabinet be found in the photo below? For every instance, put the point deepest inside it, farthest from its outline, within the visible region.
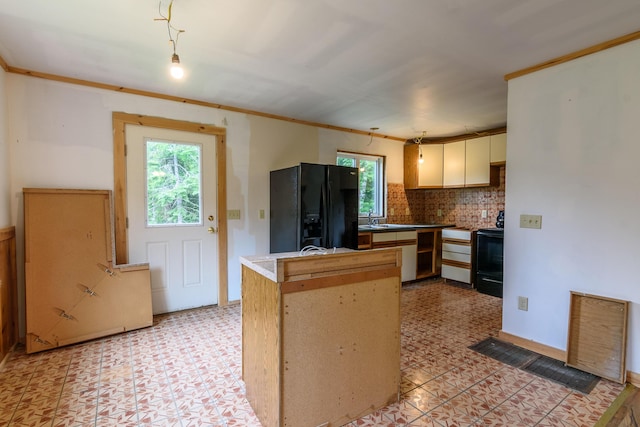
(499, 149)
(430, 170)
(454, 164)
(427, 174)
(477, 168)
(472, 163)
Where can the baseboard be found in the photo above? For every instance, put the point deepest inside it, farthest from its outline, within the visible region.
(552, 352)
(633, 378)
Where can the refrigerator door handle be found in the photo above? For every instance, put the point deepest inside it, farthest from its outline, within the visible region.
(326, 223)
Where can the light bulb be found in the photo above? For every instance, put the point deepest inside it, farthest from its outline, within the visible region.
(176, 69)
(420, 160)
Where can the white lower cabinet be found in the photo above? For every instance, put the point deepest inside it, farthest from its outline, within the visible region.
(408, 241)
(456, 254)
(409, 258)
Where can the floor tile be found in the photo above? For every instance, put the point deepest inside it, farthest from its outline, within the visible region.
(186, 369)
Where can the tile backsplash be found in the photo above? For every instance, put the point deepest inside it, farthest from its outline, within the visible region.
(460, 206)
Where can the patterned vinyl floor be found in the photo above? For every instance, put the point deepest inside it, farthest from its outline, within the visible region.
(185, 370)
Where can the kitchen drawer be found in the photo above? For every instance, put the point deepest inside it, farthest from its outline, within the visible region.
(456, 247)
(456, 256)
(456, 273)
(407, 236)
(387, 236)
(456, 233)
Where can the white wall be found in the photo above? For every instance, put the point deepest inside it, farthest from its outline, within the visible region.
(61, 136)
(5, 198)
(572, 157)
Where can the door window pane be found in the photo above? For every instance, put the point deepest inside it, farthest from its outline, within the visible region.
(173, 183)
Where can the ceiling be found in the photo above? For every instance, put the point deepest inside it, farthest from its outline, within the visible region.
(403, 66)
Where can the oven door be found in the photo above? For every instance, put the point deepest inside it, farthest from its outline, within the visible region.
(489, 252)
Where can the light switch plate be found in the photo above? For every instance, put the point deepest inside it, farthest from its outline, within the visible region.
(523, 303)
(484, 213)
(531, 221)
(233, 214)
(261, 213)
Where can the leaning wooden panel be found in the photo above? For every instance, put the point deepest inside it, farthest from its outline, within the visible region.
(341, 352)
(597, 339)
(8, 291)
(73, 292)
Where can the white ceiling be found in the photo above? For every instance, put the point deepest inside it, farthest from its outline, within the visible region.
(403, 66)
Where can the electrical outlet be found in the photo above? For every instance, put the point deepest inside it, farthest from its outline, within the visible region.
(439, 212)
(484, 213)
(407, 211)
(261, 213)
(233, 214)
(531, 221)
(523, 303)
(392, 211)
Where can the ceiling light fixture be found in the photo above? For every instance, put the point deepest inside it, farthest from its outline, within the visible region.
(418, 140)
(177, 72)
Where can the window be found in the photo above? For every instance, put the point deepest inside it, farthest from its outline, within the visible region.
(371, 180)
(173, 183)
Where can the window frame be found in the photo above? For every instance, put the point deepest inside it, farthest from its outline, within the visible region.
(381, 189)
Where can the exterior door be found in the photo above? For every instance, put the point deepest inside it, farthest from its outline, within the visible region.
(171, 196)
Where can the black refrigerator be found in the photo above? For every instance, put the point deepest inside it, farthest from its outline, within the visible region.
(313, 204)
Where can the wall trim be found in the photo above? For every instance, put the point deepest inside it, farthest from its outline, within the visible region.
(633, 378)
(575, 55)
(545, 350)
(150, 94)
(120, 120)
(554, 353)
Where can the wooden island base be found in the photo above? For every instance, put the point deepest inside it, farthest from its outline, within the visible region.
(321, 335)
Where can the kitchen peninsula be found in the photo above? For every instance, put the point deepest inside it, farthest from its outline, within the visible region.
(321, 335)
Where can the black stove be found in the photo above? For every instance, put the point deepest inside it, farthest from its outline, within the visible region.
(489, 261)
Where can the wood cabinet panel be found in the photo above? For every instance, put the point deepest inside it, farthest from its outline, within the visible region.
(428, 261)
(73, 291)
(8, 291)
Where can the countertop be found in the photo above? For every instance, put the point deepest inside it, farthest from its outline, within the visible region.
(266, 264)
(400, 227)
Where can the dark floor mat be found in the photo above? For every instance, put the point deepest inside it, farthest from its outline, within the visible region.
(504, 352)
(536, 364)
(557, 371)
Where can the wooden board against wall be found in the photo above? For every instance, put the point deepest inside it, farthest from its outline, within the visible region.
(597, 341)
(73, 291)
(8, 291)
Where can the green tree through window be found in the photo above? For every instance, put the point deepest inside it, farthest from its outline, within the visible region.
(371, 188)
(173, 183)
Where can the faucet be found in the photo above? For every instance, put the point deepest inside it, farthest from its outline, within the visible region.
(372, 221)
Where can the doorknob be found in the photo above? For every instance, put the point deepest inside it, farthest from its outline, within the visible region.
(210, 217)
(212, 230)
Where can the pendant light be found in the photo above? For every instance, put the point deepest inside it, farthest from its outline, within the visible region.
(176, 70)
(418, 140)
